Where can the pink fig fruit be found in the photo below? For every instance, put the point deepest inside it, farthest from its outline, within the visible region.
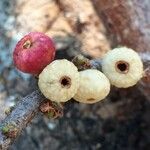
(33, 53)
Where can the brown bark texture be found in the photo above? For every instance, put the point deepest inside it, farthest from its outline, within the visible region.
(127, 21)
(87, 26)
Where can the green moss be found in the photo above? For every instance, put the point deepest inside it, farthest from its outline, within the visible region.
(50, 114)
(5, 129)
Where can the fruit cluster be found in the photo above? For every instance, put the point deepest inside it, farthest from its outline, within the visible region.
(60, 80)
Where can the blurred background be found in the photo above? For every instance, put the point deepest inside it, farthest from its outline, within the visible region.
(121, 121)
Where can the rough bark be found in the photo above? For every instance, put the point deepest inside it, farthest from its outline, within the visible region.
(86, 25)
(33, 15)
(128, 24)
(127, 21)
(22, 114)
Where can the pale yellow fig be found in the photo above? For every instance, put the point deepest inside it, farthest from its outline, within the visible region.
(123, 67)
(59, 81)
(93, 87)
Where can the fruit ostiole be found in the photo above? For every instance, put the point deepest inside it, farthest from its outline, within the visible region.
(122, 66)
(27, 44)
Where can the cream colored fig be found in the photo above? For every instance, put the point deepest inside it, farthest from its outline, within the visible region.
(123, 67)
(59, 81)
(94, 86)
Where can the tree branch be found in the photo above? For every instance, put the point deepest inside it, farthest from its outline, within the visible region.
(20, 116)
